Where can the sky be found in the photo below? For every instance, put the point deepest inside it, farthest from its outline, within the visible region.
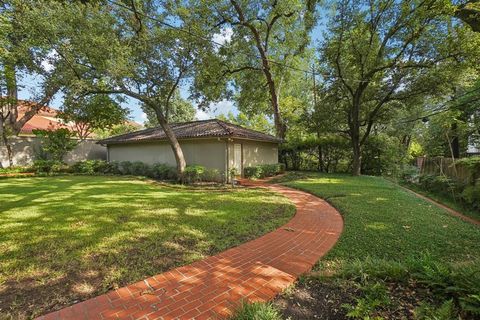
(28, 86)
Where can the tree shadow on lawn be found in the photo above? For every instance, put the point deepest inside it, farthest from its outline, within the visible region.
(69, 239)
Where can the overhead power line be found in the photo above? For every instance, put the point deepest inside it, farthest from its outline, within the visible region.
(199, 36)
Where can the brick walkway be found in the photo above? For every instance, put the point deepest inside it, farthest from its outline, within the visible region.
(212, 288)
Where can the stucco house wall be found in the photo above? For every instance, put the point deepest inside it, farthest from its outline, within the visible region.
(206, 152)
(253, 153)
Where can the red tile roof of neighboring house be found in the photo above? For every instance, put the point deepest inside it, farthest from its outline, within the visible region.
(195, 129)
(45, 119)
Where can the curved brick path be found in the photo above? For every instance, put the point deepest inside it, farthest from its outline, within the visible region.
(211, 288)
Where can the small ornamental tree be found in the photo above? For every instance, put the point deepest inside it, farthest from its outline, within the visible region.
(56, 143)
(90, 113)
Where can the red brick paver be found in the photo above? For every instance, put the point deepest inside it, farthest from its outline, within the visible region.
(213, 287)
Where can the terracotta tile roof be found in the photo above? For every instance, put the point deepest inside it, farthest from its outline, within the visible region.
(44, 119)
(195, 129)
(47, 119)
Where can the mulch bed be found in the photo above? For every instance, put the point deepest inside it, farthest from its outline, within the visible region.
(324, 299)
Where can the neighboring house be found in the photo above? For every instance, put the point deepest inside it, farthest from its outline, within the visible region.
(210, 143)
(45, 119)
(473, 147)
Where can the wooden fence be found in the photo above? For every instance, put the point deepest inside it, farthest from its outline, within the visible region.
(443, 166)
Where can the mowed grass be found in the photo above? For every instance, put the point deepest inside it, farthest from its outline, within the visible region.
(383, 221)
(64, 239)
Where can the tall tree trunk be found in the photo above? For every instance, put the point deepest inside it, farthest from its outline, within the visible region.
(9, 148)
(455, 143)
(357, 158)
(262, 50)
(12, 108)
(172, 139)
(354, 126)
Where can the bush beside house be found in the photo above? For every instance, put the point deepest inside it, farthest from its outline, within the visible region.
(264, 170)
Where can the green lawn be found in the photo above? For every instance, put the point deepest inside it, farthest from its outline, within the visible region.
(64, 239)
(404, 257)
(383, 221)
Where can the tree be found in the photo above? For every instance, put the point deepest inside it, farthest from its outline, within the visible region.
(469, 12)
(380, 54)
(262, 32)
(130, 49)
(116, 130)
(27, 50)
(257, 122)
(181, 111)
(56, 143)
(92, 113)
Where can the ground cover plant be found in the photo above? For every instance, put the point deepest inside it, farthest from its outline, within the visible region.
(64, 239)
(398, 257)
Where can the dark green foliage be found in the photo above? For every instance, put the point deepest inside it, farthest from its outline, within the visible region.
(473, 166)
(253, 172)
(94, 166)
(125, 167)
(163, 171)
(264, 170)
(471, 196)
(467, 196)
(212, 175)
(193, 173)
(16, 169)
(374, 295)
(441, 185)
(328, 153)
(139, 168)
(381, 155)
(55, 144)
(159, 171)
(48, 166)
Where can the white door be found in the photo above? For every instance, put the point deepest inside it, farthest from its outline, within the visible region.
(237, 158)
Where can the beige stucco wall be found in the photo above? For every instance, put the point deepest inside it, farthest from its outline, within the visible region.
(253, 153)
(206, 152)
(25, 150)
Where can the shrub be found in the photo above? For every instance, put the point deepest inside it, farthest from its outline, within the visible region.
(270, 169)
(471, 196)
(253, 172)
(264, 170)
(163, 171)
(91, 167)
(125, 167)
(193, 173)
(48, 166)
(55, 144)
(212, 175)
(11, 170)
(139, 168)
(409, 174)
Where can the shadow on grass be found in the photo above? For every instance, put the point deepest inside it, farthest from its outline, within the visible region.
(69, 238)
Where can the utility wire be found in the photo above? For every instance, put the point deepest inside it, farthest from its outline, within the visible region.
(196, 35)
(199, 36)
(440, 109)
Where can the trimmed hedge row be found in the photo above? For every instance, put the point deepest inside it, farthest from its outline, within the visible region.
(160, 171)
(264, 170)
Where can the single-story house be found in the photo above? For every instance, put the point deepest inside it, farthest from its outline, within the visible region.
(211, 143)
